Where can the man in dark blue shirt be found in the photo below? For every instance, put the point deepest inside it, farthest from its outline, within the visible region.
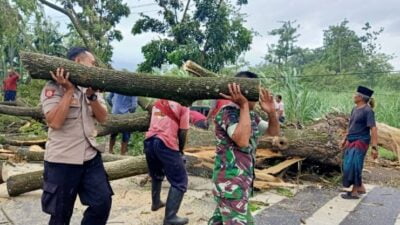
(121, 104)
(361, 134)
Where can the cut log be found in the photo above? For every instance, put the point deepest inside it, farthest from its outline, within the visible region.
(281, 166)
(389, 138)
(35, 113)
(196, 70)
(183, 90)
(138, 122)
(32, 155)
(15, 141)
(22, 183)
(14, 103)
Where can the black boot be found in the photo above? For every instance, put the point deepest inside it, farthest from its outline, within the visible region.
(155, 195)
(174, 200)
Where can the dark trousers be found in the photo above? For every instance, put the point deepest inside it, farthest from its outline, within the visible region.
(9, 96)
(63, 182)
(163, 161)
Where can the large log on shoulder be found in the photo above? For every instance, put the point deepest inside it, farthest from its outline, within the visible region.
(183, 90)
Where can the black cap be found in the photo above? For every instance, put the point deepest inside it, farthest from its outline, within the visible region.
(365, 91)
(75, 51)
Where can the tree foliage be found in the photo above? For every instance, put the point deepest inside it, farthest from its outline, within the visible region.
(343, 49)
(282, 52)
(92, 23)
(211, 33)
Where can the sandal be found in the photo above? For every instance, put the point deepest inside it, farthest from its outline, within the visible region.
(348, 195)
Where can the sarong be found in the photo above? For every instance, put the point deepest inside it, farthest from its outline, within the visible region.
(353, 161)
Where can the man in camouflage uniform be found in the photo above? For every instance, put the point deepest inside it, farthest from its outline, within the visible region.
(237, 131)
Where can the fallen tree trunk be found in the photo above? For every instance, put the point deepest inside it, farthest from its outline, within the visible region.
(138, 122)
(22, 183)
(183, 90)
(35, 113)
(200, 164)
(318, 142)
(30, 155)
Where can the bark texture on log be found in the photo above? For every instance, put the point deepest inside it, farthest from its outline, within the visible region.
(23, 183)
(389, 138)
(16, 142)
(35, 113)
(25, 153)
(116, 123)
(183, 90)
(138, 122)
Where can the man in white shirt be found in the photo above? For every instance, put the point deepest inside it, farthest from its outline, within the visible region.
(280, 108)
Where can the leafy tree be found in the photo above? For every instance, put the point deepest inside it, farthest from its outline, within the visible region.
(343, 48)
(212, 34)
(92, 23)
(373, 61)
(286, 48)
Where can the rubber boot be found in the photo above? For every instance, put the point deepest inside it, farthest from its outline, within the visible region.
(124, 148)
(174, 200)
(111, 146)
(156, 203)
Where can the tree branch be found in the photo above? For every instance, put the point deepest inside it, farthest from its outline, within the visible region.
(72, 17)
(185, 12)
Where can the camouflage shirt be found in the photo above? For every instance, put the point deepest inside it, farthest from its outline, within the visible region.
(233, 172)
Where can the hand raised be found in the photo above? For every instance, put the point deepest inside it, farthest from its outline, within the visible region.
(266, 101)
(235, 95)
(62, 79)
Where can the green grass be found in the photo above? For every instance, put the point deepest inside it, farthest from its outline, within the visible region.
(386, 154)
(285, 192)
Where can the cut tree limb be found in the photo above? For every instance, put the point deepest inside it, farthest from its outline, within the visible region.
(183, 90)
(197, 70)
(35, 113)
(22, 183)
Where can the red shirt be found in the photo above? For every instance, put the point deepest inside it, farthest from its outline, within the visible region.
(10, 84)
(218, 105)
(165, 128)
(196, 117)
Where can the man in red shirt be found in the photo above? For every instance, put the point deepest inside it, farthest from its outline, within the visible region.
(163, 147)
(10, 86)
(198, 120)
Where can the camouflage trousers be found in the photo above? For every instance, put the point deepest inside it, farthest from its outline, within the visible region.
(231, 212)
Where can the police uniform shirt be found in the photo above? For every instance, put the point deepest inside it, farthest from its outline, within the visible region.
(74, 142)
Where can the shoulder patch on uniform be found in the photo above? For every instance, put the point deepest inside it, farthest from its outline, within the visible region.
(49, 92)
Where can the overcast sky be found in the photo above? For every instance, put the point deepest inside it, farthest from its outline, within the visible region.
(314, 16)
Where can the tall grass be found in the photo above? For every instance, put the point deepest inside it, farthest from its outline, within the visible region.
(305, 102)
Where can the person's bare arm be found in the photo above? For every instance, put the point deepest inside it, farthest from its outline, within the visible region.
(55, 118)
(267, 105)
(374, 142)
(182, 137)
(99, 111)
(241, 135)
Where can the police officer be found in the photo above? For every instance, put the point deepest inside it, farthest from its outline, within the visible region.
(73, 164)
(237, 130)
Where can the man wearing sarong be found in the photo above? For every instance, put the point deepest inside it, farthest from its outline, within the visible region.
(361, 133)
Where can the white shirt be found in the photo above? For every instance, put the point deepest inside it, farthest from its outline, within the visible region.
(280, 107)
